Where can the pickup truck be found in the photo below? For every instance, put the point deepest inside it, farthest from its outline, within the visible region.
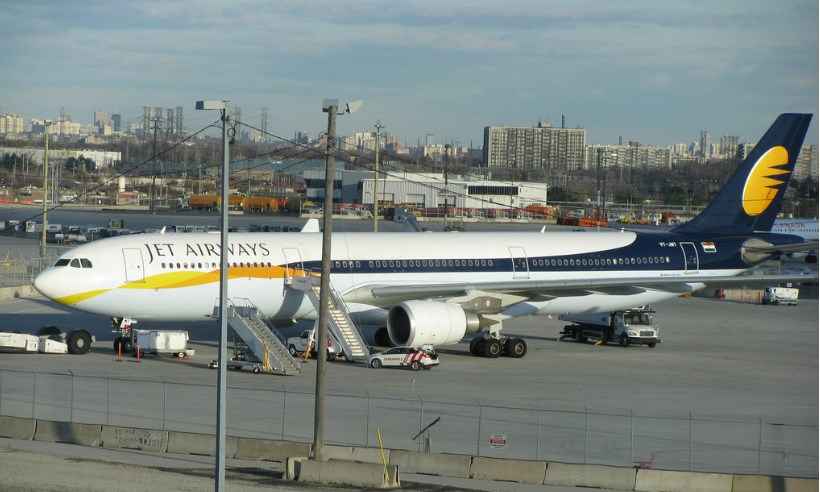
(298, 345)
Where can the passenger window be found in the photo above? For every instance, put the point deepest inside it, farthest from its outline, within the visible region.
(163, 265)
(85, 263)
(75, 263)
(62, 262)
(572, 262)
(490, 262)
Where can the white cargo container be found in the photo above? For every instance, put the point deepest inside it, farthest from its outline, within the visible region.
(163, 342)
(21, 342)
(18, 342)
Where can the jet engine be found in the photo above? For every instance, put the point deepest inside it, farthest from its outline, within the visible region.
(415, 323)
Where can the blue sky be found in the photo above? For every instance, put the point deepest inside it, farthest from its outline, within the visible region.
(653, 71)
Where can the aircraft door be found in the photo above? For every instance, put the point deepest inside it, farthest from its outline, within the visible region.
(690, 257)
(521, 266)
(134, 268)
(293, 263)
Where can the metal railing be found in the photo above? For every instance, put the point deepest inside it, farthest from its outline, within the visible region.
(675, 442)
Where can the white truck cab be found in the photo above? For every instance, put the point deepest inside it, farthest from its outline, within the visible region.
(635, 326)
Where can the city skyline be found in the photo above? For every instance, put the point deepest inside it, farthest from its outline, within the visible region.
(655, 74)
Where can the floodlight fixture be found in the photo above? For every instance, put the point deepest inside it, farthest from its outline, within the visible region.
(211, 105)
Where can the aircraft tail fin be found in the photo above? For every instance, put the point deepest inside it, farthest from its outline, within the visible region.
(751, 199)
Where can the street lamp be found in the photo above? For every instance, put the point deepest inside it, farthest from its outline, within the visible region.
(219, 472)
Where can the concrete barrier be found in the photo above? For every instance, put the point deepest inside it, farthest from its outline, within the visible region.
(675, 481)
(199, 444)
(508, 470)
(764, 483)
(445, 465)
(17, 428)
(129, 438)
(7, 293)
(350, 473)
(70, 432)
(604, 477)
(263, 449)
(353, 453)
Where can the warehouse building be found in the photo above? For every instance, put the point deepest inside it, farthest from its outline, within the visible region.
(428, 190)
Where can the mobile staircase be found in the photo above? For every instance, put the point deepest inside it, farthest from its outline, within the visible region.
(341, 325)
(246, 321)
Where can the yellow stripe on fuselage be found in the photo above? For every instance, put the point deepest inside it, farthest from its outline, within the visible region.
(180, 279)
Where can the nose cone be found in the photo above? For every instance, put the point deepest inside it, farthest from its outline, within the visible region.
(44, 283)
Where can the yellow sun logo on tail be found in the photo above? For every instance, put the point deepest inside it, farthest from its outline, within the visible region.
(763, 183)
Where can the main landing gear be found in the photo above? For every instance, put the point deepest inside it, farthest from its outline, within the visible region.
(496, 346)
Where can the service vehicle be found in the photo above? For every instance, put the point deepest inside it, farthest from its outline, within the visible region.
(49, 340)
(630, 327)
(160, 342)
(298, 345)
(128, 339)
(414, 358)
(781, 295)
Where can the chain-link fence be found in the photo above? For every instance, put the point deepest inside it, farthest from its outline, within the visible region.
(17, 269)
(683, 442)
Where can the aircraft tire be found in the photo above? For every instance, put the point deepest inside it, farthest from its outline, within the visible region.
(474, 345)
(415, 365)
(376, 364)
(623, 340)
(292, 350)
(516, 348)
(51, 332)
(492, 348)
(79, 342)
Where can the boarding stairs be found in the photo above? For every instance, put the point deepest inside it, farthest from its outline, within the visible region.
(341, 325)
(246, 321)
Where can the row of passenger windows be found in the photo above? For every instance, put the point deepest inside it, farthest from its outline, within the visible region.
(387, 264)
(200, 266)
(418, 263)
(76, 262)
(641, 260)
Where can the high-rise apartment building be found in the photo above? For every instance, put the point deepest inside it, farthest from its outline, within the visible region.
(540, 147)
(806, 164)
(633, 155)
(728, 146)
(116, 122)
(179, 127)
(705, 150)
(11, 124)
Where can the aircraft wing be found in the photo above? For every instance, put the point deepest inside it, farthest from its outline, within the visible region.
(560, 288)
(784, 248)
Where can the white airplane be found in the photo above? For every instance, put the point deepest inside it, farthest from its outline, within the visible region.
(805, 228)
(434, 288)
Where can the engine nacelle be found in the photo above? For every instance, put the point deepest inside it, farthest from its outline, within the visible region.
(416, 323)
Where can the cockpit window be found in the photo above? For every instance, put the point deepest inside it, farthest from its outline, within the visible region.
(75, 263)
(62, 262)
(85, 263)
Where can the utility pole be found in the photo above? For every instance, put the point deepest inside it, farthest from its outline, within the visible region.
(45, 193)
(331, 107)
(446, 187)
(379, 127)
(598, 179)
(546, 184)
(154, 165)
(221, 406)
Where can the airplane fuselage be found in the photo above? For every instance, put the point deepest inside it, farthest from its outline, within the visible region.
(176, 276)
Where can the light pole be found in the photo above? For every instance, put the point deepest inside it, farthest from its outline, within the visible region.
(379, 127)
(221, 407)
(43, 247)
(331, 107)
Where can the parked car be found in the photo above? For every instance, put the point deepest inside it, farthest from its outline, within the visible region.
(414, 358)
